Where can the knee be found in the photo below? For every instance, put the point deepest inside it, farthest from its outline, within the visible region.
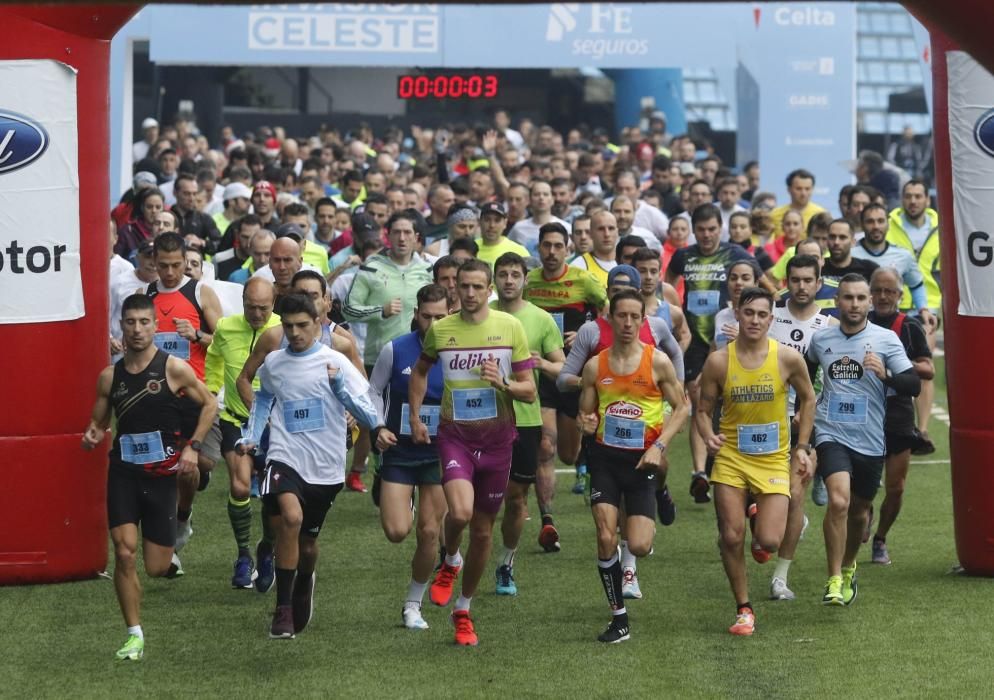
(838, 503)
(731, 537)
(292, 520)
(395, 532)
(895, 489)
(639, 549)
(240, 490)
(125, 556)
(458, 518)
(157, 569)
(427, 534)
(514, 503)
(547, 447)
(606, 540)
(770, 543)
(481, 534)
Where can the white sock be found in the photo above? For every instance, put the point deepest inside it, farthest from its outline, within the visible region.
(416, 591)
(781, 569)
(508, 557)
(453, 559)
(627, 558)
(137, 631)
(462, 603)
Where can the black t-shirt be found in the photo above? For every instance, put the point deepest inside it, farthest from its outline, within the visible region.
(900, 416)
(857, 265)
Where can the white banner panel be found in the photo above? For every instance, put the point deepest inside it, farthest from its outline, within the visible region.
(39, 193)
(971, 138)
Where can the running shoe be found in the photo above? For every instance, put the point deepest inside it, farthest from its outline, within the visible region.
(353, 482)
(184, 531)
(665, 507)
(616, 632)
(548, 537)
(833, 591)
(759, 554)
(133, 649)
(282, 625)
(205, 481)
(779, 590)
(377, 486)
(745, 624)
(699, 486)
(175, 569)
(465, 633)
(303, 602)
(440, 591)
(925, 445)
(505, 580)
(412, 616)
(580, 485)
(630, 584)
(880, 555)
(266, 568)
(819, 493)
(869, 527)
(244, 572)
(849, 587)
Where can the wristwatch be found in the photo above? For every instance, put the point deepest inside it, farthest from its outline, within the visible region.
(198, 335)
(507, 384)
(196, 445)
(806, 446)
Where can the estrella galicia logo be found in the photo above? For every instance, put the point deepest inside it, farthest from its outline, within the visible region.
(22, 141)
(983, 132)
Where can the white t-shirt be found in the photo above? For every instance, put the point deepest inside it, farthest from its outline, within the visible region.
(307, 425)
(266, 273)
(646, 235)
(122, 287)
(724, 317)
(648, 216)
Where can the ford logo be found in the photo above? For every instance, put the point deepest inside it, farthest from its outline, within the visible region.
(983, 132)
(22, 141)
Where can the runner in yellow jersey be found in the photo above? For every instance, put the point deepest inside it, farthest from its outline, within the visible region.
(621, 403)
(752, 448)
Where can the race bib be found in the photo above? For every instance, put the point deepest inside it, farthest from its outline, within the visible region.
(474, 404)
(173, 343)
(625, 433)
(846, 408)
(761, 439)
(703, 302)
(429, 416)
(303, 415)
(558, 318)
(142, 448)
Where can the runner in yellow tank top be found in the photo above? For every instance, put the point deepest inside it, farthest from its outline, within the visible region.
(621, 402)
(752, 447)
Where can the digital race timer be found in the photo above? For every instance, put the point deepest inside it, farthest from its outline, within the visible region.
(475, 86)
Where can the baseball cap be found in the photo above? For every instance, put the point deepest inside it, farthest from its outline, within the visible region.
(493, 208)
(267, 186)
(364, 226)
(687, 169)
(290, 231)
(143, 179)
(146, 247)
(236, 189)
(148, 123)
(634, 279)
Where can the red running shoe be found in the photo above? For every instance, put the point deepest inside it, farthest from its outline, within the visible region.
(465, 633)
(440, 591)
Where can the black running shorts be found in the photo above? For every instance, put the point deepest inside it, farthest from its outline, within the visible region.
(315, 499)
(147, 501)
(613, 476)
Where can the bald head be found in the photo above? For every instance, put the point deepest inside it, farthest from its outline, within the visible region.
(284, 261)
(257, 301)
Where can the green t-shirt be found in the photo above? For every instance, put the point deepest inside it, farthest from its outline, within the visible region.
(474, 412)
(490, 253)
(543, 338)
(317, 256)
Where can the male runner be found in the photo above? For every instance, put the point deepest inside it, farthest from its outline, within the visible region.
(304, 391)
(647, 263)
(621, 402)
(234, 339)
(795, 321)
(860, 362)
(604, 234)
(752, 449)
(187, 312)
(143, 388)
(899, 421)
(404, 464)
(546, 346)
(572, 296)
(486, 365)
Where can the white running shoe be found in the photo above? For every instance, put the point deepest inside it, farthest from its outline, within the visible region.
(412, 617)
(630, 584)
(183, 533)
(804, 527)
(779, 590)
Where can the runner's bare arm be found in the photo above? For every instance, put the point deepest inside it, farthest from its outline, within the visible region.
(100, 415)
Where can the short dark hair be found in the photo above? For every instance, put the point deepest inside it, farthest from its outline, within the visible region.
(624, 294)
(800, 173)
(553, 227)
(351, 176)
(870, 207)
(443, 263)
(511, 259)
(705, 212)
(375, 198)
(432, 293)
(750, 294)
(801, 261)
(644, 254)
(310, 275)
(851, 278)
(843, 221)
(822, 220)
(297, 304)
(138, 302)
(629, 241)
(169, 242)
(474, 265)
(325, 202)
(914, 181)
(405, 215)
(467, 244)
(295, 209)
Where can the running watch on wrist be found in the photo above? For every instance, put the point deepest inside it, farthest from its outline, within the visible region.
(196, 445)
(806, 446)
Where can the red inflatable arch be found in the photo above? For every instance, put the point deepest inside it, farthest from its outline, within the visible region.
(53, 494)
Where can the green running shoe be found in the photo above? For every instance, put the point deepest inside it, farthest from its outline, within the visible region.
(133, 649)
(849, 588)
(833, 591)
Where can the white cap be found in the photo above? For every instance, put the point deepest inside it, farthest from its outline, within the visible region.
(148, 123)
(236, 189)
